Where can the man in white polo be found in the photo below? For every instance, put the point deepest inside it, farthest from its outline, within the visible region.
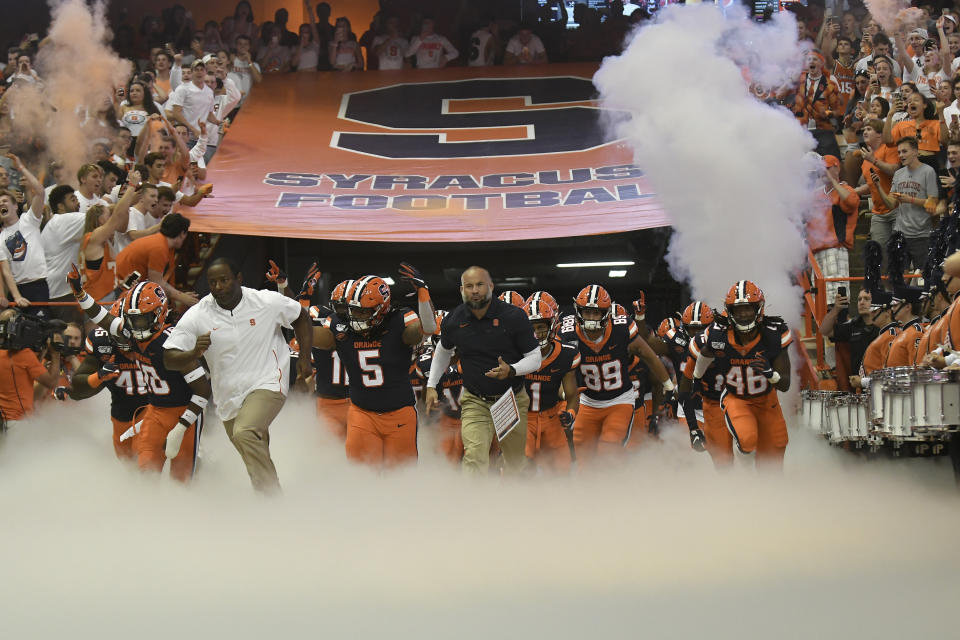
(237, 331)
(191, 103)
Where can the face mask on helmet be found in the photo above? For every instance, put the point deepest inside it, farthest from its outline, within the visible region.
(593, 324)
(744, 316)
(545, 327)
(361, 318)
(141, 325)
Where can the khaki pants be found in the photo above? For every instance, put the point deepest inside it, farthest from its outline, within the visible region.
(248, 432)
(478, 434)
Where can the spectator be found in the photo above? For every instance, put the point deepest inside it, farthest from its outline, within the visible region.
(243, 26)
(20, 368)
(22, 242)
(344, 50)
(390, 48)
(858, 332)
(212, 42)
(96, 256)
(914, 197)
(306, 57)
(144, 216)
(325, 29)
(525, 48)
(24, 72)
(61, 238)
(375, 29)
(924, 125)
(830, 232)
(120, 154)
(162, 82)
(90, 178)
(926, 71)
(244, 72)
(485, 44)
(880, 159)
(112, 175)
(287, 38)
(816, 104)
(191, 103)
(432, 50)
(881, 48)
(273, 56)
(153, 257)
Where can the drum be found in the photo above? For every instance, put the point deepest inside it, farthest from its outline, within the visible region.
(897, 389)
(838, 417)
(819, 421)
(877, 379)
(860, 424)
(936, 400)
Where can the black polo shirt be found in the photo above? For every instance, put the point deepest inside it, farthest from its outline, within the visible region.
(504, 331)
(859, 334)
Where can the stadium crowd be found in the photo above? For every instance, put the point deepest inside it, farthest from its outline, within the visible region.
(881, 105)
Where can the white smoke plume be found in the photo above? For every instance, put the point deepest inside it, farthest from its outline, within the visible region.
(731, 171)
(80, 73)
(664, 547)
(890, 13)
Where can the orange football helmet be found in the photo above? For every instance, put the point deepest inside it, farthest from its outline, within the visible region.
(145, 310)
(593, 296)
(539, 310)
(368, 303)
(511, 297)
(619, 309)
(667, 328)
(338, 298)
(547, 298)
(696, 316)
(640, 306)
(745, 293)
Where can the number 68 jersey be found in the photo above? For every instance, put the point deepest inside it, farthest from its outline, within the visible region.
(604, 364)
(741, 379)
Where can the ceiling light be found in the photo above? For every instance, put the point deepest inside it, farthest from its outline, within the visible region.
(617, 273)
(619, 263)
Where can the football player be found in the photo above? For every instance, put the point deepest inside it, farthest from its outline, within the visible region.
(375, 343)
(108, 364)
(171, 425)
(450, 388)
(711, 433)
(547, 423)
(512, 297)
(753, 349)
(606, 344)
(331, 382)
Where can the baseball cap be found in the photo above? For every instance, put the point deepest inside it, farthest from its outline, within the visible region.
(831, 161)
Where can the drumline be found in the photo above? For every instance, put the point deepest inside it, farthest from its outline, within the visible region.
(903, 404)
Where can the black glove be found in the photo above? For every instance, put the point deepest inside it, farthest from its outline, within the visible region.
(566, 420)
(762, 366)
(275, 273)
(76, 282)
(412, 276)
(697, 440)
(309, 284)
(653, 425)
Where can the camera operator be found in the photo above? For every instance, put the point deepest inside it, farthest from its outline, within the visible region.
(68, 346)
(20, 368)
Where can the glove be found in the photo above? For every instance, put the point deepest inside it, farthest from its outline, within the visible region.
(60, 393)
(174, 440)
(309, 285)
(698, 440)
(412, 276)
(76, 282)
(653, 425)
(762, 366)
(566, 420)
(275, 273)
(109, 371)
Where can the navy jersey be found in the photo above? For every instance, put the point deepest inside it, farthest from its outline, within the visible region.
(640, 377)
(330, 377)
(450, 387)
(677, 342)
(715, 378)
(543, 387)
(165, 388)
(128, 392)
(378, 364)
(741, 379)
(605, 364)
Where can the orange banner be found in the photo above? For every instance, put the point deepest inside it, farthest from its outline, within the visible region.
(459, 154)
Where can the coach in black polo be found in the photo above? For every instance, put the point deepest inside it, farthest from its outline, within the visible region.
(497, 348)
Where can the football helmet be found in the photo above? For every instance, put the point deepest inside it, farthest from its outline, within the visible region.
(593, 296)
(338, 298)
(745, 293)
(368, 303)
(145, 310)
(667, 328)
(696, 317)
(511, 297)
(543, 296)
(540, 311)
(619, 309)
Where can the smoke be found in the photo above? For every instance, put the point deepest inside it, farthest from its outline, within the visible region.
(732, 171)
(889, 14)
(93, 549)
(79, 73)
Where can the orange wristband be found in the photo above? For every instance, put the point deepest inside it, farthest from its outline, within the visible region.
(423, 295)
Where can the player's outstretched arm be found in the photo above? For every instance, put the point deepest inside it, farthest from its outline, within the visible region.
(97, 314)
(89, 378)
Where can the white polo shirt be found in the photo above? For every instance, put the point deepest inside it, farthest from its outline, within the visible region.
(196, 102)
(247, 349)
